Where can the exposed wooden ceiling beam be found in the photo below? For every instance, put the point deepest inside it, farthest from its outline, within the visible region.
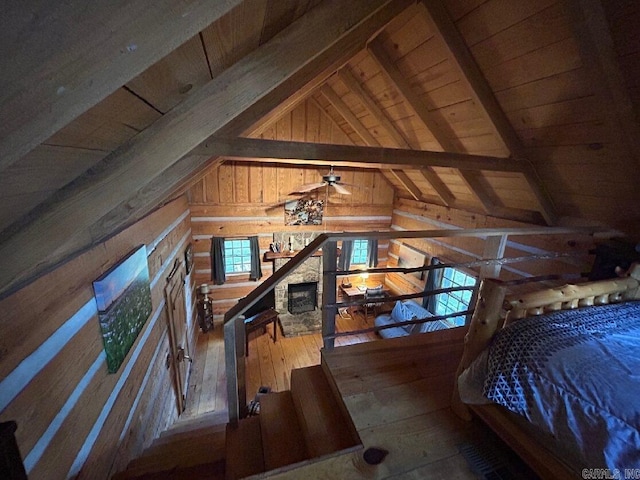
(439, 186)
(407, 183)
(376, 112)
(127, 184)
(269, 118)
(470, 179)
(252, 148)
(488, 203)
(441, 132)
(77, 54)
(369, 139)
(471, 75)
(348, 115)
(598, 52)
(482, 95)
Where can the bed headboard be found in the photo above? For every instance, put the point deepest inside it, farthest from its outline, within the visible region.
(494, 309)
(569, 297)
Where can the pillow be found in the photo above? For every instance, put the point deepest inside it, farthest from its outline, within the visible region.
(401, 313)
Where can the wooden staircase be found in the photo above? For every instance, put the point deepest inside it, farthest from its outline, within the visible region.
(299, 425)
(190, 449)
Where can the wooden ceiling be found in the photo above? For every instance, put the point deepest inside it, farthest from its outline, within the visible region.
(524, 110)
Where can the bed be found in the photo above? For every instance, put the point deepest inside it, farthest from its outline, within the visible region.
(556, 373)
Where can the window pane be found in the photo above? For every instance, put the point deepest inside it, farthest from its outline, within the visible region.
(455, 301)
(237, 256)
(359, 253)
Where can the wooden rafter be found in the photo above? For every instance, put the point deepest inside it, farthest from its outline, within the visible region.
(471, 75)
(134, 179)
(439, 186)
(597, 50)
(407, 183)
(79, 54)
(482, 95)
(372, 107)
(383, 172)
(348, 115)
(441, 132)
(376, 112)
(470, 179)
(366, 136)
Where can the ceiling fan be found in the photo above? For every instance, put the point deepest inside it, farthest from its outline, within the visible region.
(330, 180)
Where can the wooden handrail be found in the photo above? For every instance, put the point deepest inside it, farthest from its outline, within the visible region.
(234, 331)
(416, 321)
(321, 239)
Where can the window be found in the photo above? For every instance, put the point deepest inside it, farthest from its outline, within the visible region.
(455, 301)
(359, 253)
(237, 256)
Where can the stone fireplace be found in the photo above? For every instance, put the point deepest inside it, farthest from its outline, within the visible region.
(302, 297)
(306, 278)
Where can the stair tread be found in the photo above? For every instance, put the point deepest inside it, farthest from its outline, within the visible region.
(282, 438)
(208, 420)
(204, 443)
(188, 435)
(325, 427)
(179, 454)
(206, 471)
(244, 456)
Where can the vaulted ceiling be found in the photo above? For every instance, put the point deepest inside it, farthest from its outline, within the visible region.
(524, 109)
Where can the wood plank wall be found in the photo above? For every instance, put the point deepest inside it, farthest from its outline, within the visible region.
(531, 55)
(412, 215)
(239, 199)
(73, 417)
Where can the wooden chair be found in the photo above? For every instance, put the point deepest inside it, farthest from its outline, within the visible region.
(375, 297)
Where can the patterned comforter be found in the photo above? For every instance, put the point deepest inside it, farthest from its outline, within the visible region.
(575, 374)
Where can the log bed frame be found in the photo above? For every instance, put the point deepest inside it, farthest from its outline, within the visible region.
(494, 309)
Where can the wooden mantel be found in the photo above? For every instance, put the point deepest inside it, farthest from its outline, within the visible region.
(270, 256)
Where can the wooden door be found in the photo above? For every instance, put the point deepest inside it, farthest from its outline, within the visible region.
(178, 333)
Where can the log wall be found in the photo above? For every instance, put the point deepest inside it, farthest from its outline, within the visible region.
(412, 215)
(73, 417)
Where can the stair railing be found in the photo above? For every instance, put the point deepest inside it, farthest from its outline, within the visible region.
(491, 262)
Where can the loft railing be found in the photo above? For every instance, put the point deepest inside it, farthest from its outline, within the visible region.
(490, 265)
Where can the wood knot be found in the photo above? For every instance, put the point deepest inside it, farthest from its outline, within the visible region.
(374, 455)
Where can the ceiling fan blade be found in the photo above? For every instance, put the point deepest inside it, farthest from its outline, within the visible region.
(308, 187)
(354, 185)
(340, 189)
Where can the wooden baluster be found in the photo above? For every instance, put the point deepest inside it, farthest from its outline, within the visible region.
(329, 262)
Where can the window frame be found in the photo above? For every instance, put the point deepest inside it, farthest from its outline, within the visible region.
(359, 246)
(462, 299)
(237, 258)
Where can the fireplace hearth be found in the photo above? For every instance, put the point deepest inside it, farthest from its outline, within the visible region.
(302, 297)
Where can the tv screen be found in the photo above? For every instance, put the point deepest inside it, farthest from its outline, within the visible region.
(266, 302)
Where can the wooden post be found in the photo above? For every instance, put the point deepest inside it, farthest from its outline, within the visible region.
(234, 344)
(329, 310)
(493, 248)
(485, 321)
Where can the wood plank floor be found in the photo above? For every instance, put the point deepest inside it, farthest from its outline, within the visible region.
(268, 363)
(398, 395)
(397, 392)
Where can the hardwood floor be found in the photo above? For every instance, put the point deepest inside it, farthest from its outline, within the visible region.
(268, 363)
(396, 391)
